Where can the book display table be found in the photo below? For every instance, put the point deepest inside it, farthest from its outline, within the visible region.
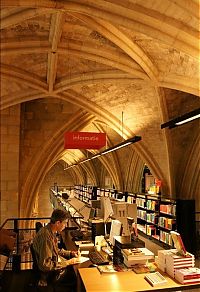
(91, 280)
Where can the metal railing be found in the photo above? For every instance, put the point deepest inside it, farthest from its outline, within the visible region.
(20, 257)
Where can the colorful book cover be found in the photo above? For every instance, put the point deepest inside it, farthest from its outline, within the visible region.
(178, 243)
(109, 269)
(141, 269)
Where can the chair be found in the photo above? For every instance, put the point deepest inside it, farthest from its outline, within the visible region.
(39, 276)
(51, 278)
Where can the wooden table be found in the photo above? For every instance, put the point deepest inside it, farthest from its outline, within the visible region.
(90, 280)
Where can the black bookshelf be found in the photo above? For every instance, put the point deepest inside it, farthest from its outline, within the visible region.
(157, 215)
(185, 221)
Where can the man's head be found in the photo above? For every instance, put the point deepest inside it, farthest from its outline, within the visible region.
(58, 219)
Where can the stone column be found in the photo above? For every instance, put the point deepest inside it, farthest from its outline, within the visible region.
(10, 137)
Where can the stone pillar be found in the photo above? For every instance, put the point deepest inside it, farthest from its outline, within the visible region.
(10, 137)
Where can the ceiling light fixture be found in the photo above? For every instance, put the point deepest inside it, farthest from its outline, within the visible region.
(106, 151)
(186, 118)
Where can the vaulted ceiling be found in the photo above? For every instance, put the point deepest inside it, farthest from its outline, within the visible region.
(105, 58)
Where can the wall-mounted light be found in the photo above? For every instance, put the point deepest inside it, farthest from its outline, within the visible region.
(106, 151)
(186, 118)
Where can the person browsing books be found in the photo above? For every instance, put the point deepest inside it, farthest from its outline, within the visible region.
(48, 256)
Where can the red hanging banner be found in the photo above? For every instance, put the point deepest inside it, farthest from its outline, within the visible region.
(84, 140)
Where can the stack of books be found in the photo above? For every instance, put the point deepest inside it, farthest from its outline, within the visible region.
(175, 261)
(84, 243)
(136, 256)
(161, 260)
(188, 275)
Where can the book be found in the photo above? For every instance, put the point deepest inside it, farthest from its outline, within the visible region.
(84, 243)
(133, 252)
(178, 243)
(137, 253)
(109, 269)
(155, 279)
(187, 275)
(139, 257)
(141, 269)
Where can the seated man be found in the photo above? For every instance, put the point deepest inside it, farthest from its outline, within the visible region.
(50, 259)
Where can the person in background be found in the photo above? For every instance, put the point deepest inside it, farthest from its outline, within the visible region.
(38, 225)
(48, 256)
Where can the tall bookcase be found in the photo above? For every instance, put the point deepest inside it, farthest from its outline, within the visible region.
(156, 216)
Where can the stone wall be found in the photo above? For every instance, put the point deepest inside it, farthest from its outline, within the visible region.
(55, 175)
(10, 133)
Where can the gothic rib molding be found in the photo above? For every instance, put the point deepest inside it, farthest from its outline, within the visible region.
(23, 77)
(190, 178)
(45, 159)
(182, 83)
(192, 6)
(16, 46)
(114, 123)
(130, 170)
(20, 97)
(54, 39)
(109, 58)
(123, 42)
(166, 137)
(111, 164)
(17, 15)
(157, 25)
(91, 172)
(92, 77)
(78, 99)
(187, 84)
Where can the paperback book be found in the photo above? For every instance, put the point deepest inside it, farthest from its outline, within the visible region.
(188, 275)
(178, 243)
(137, 253)
(84, 243)
(109, 269)
(155, 279)
(141, 269)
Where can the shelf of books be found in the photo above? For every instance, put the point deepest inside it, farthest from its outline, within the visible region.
(85, 193)
(156, 216)
(131, 198)
(111, 193)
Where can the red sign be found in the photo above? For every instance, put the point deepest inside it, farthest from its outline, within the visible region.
(84, 140)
